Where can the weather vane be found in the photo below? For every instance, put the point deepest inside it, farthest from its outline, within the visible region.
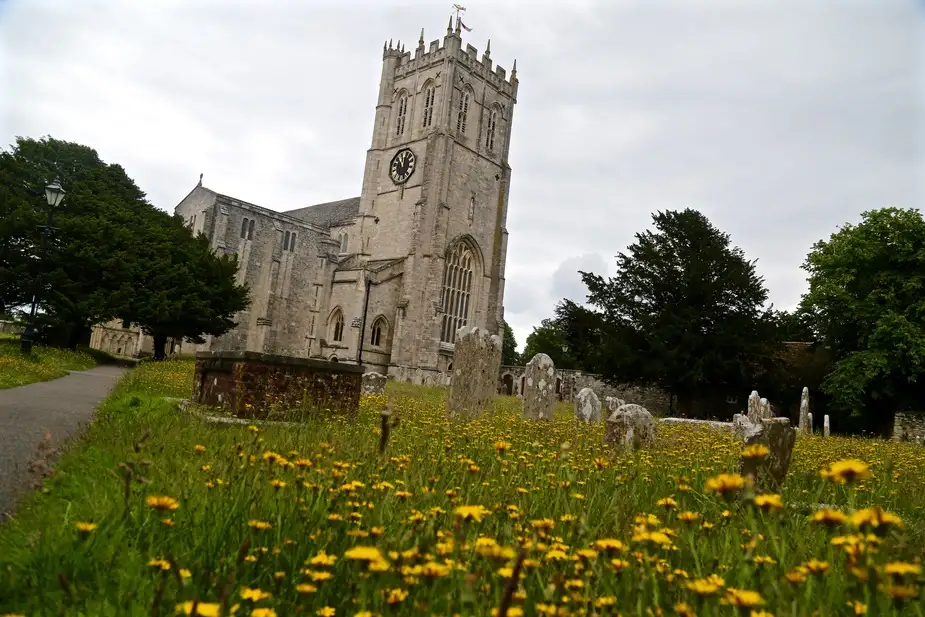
(459, 10)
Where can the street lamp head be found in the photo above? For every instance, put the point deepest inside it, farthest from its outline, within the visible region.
(54, 194)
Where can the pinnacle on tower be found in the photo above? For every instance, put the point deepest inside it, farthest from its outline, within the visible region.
(458, 27)
(421, 40)
(449, 26)
(390, 43)
(514, 70)
(488, 49)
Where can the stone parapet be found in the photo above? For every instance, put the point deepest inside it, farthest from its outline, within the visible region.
(254, 385)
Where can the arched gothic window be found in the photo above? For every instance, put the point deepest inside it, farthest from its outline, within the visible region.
(286, 241)
(343, 242)
(402, 113)
(378, 332)
(457, 291)
(250, 229)
(244, 229)
(337, 326)
(492, 127)
(430, 93)
(461, 117)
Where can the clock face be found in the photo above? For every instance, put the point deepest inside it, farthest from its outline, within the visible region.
(402, 166)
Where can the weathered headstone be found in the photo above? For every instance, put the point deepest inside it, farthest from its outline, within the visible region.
(476, 362)
(754, 406)
(764, 409)
(740, 425)
(769, 471)
(825, 425)
(587, 406)
(539, 395)
(804, 411)
(809, 423)
(374, 383)
(630, 426)
(613, 403)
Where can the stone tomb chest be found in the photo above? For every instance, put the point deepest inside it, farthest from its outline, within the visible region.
(248, 384)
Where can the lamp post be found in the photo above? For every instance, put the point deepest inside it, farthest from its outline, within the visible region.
(54, 195)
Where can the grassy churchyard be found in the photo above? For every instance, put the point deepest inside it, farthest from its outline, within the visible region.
(158, 513)
(45, 363)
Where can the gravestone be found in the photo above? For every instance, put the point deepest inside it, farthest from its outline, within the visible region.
(740, 425)
(630, 426)
(754, 406)
(476, 362)
(768, 472)
(539, 395)
(587, 406)
(764, 409)
(809, 424)
(613, 403)
(804, 411)
(374, 383)
(825, 425)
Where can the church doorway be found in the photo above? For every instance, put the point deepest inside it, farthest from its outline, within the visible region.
(507, 384)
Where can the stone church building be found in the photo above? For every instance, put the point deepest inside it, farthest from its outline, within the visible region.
(386, 278)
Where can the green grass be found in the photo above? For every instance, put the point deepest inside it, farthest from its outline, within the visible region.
(549, 488)
(43, 364)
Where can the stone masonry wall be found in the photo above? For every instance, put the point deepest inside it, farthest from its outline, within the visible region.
(909, 426)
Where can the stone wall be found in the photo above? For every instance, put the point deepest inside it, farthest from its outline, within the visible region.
(570, 382)
(10, 327)
(261, 386)
(909, 426)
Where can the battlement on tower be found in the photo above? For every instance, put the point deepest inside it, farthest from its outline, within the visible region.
(407, 63)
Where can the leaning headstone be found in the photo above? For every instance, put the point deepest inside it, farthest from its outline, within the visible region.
(769, 471)
(764, 409)
(754, 405)
(613, 403)
(630, 426)
(539, 395)
(476, 362)
(587, 406)
(804, 411)
(374, 383)
(809, 424)
(825, 425)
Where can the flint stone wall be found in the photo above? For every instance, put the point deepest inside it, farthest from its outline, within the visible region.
(909, 426)
(253, 385)
(374, 383)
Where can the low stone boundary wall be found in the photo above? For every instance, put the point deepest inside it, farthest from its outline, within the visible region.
(253, 385)
(909, 426)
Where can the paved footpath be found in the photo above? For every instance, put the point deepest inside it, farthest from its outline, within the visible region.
(59, 407)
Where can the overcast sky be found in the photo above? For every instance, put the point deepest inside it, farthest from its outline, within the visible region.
(780, 120)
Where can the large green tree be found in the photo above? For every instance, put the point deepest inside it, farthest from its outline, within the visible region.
(77, 275)
(684, 311)
(866, 300)
(509, 355)
(549, 338)
(183, 290)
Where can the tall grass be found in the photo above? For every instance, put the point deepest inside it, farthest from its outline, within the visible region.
(42, 364)
(160, 514)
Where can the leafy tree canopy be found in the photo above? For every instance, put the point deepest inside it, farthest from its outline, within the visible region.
(509, 355)
(866, 300)
(684, 310)
(549, 338)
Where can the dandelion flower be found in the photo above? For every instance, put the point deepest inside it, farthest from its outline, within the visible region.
(685, 610)
(396, 595)
(254, 595)
(902, 568)
(769, 502)
(306, 588)
(203, 609)
(326, 611)
(85, 527)
(667, 503)
(755, 450)
(263, 612)
(875, 518)
(471, 513)
(829, 517)
(742, 598)
(847, 471)
(725, 483)
(258, 525)
(161, 502)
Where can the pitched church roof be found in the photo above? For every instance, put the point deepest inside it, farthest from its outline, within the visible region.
(328, 214)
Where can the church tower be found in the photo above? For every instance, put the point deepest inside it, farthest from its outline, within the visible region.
(435, 192)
